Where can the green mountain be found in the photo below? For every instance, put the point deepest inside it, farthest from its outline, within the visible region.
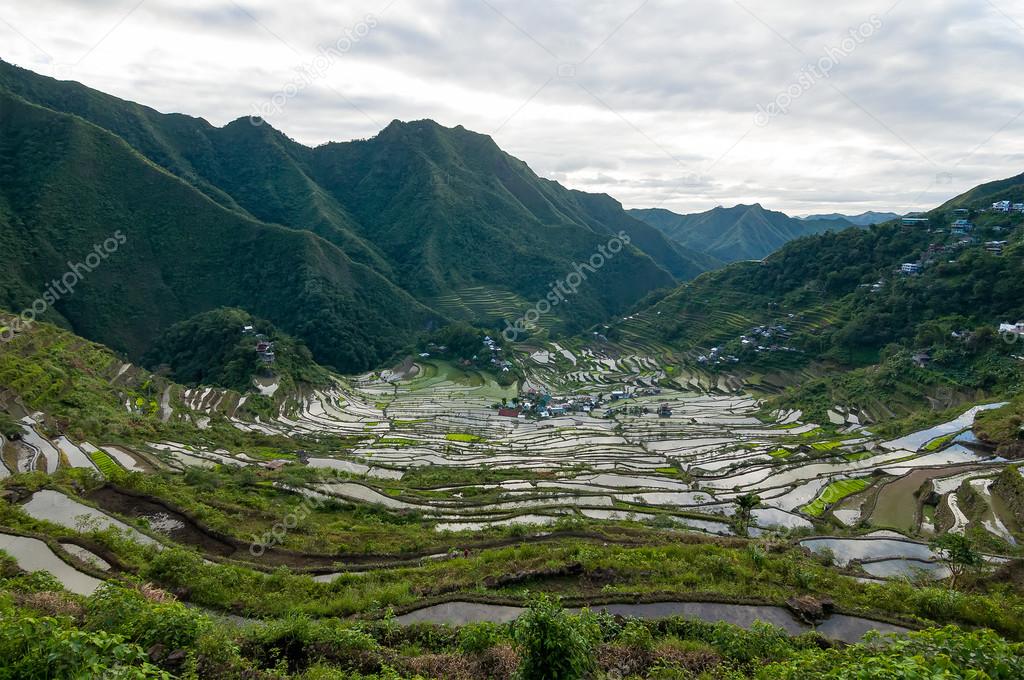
(862, 220)
(848, 323)
(230, 348)
(743, 232)
(419, 211)
(68, 188)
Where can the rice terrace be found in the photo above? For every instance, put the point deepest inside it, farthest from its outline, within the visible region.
(460, 340)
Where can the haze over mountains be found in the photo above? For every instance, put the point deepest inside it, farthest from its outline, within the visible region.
(743, 232)
(862, 220)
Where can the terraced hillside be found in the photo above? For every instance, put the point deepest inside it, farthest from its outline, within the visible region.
(410, 490)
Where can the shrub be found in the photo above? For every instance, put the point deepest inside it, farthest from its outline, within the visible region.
(479, 637)
(637, 635)
(129, 613)
(48, 647)
(554, 645)
(947, 653)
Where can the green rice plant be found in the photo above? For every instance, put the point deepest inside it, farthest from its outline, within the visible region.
(105, 464)
(833, 493)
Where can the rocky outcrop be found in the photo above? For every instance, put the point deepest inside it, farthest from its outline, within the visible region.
(810, 609)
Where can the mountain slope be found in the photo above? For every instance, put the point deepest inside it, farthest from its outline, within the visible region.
(435, 211)
(67, 186)
(841, 300)
(862, 220)
(743, 232)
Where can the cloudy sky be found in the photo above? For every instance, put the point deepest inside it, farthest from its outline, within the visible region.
(685, 104)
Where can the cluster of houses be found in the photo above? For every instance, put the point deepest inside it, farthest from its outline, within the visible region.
(490, 345)
(768, 338)
(1007, 206)
(264, 346)
(716, 358)
(496, 359)
(961, 228)
(541, 404)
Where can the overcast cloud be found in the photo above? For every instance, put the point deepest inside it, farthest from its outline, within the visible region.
(803, 106)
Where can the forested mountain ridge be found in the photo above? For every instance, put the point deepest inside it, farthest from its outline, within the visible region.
(432, 211)
(67, 185)
(743, 232)
(845, 299)
(864, 219)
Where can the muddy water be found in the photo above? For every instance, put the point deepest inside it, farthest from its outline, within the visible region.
(846, 550)
(57, 508)
(31, 554)
(840, 627)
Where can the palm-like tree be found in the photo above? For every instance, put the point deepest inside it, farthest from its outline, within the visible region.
(745, 505)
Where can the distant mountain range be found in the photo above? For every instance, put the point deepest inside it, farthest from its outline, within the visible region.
(352, 247)
(862, 220)
(743, 232)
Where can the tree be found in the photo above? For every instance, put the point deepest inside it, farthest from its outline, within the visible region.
(745, 505)
(957, 552)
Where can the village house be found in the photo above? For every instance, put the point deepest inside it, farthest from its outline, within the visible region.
(961, 227)
(910, 268)
(1014, 328)
(1001, 206)
(914, 220)
(1018, 207)
(995, 247)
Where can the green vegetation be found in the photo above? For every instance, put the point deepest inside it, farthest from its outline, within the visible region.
(105, 464)
(9, 427)
(211, 349)
(959, 555)
(743, 232)
(1004, 428)
(554, 645)
(463, 437)
(833, 493)
(939, 442)
(49, 634)
(947, 653)
(343, 246)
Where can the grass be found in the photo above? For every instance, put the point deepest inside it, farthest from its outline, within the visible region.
(780, 453)
(105, 464)
(939, 442)
(463, 437)
(833, 493)
(854, 457)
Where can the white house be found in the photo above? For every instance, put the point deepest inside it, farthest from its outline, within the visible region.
(1001, 206)
(910, 268)
(1015, 328)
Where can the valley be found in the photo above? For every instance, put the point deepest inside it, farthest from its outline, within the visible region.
(400, 408)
